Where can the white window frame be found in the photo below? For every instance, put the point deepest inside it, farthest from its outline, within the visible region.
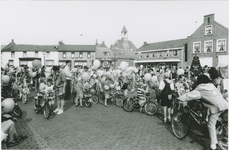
(36, 54)
(88, 54)
(173, 52)
(24, 54)
(11, 62)
(211, 28)
(49, 63)
(193, 50)
(217, 45)
(80, 54)
(166, 52)
(12, 54)
(64, 55)
(73, 55)
(47, 54)
(159, 53)
(205, 50)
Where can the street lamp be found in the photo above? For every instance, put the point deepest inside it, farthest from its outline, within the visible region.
(44, 52)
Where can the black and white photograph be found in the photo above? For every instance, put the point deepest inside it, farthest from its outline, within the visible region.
(114, 75)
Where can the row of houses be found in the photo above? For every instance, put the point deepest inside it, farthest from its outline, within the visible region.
(209, 42)
(79, 55)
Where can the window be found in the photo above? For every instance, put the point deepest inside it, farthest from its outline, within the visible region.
(24, 54)
(64, 54)
(73, 54)
(23, 63)
(159, 54)
(175, 53)
(208, 46)
(62, 63)
(81, 55)
(166, 53)
(196, 47)
(88, 54)
(76, 55)
(208, 30)
(47, 54)
(36, 54)
(106, 53)
(221, 45)
(49, 63)
(12, 54)
(11, 62)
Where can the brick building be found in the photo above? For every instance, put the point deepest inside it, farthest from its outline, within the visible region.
(208, 42)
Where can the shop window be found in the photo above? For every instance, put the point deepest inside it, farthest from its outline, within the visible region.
(208, 30)
(36, 54)
(208, 46)
(221, 45)
(49, 63)
(12, 54)
(23, 63)
(11, 62)
(81, 55)
(196, 47)
(88, 54)
(64, 54)
(24, 54)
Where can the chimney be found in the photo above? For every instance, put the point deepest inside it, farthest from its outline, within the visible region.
(13, 40)
(81, 38)
(145, 43)
(208, 19)
(103, 43)
(96, 42)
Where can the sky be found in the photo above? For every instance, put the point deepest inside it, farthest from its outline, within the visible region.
(82, 22)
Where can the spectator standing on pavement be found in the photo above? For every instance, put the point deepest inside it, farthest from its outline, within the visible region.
(68, 79)
(59, 86)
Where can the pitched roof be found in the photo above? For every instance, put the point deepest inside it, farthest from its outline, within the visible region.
(120, 44)
(163, 45)
(124, 30)
(78, 48)
(124, 54)
(22, 47)
(100, 53)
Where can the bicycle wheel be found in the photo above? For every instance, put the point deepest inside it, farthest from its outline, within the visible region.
(87, 102)
(101, 99)
(128, 105)
(24, 98)
(222, 136)
(119, 100)
(95, 99)
(150, 108)
(180, 125)
(47, 110)
(17, 111)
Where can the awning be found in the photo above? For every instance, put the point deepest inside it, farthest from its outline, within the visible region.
(206, 61)
(159, 60)
(222, 60)
(29, 58)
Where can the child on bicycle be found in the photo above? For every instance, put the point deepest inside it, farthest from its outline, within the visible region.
(49, 91)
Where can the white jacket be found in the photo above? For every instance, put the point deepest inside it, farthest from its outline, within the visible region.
(210, 95)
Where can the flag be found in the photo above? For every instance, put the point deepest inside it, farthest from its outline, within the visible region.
(196, 67)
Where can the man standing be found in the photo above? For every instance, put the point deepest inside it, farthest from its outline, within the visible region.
(59, 85)
(68, 79)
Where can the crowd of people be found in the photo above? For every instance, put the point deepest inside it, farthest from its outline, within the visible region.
(66, 82)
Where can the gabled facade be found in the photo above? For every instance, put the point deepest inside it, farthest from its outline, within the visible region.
(209, 42)
(161, 54)
(105, 56)
(21, 54)
(79, 55)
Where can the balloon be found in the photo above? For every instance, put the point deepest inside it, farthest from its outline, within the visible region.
(8, 105)
(112, 86)
(96, 64)
(5, 79)
(36, 63)
(180, 72)
(154, 79)
(92, 91)
(123, 66)
(85, 76)
(106, 87)
(147, 77)
(141, 66)
(33, 74)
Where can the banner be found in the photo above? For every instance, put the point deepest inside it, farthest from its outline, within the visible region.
(196, 67)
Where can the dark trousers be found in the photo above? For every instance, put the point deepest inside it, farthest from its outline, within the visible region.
(67, 89)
